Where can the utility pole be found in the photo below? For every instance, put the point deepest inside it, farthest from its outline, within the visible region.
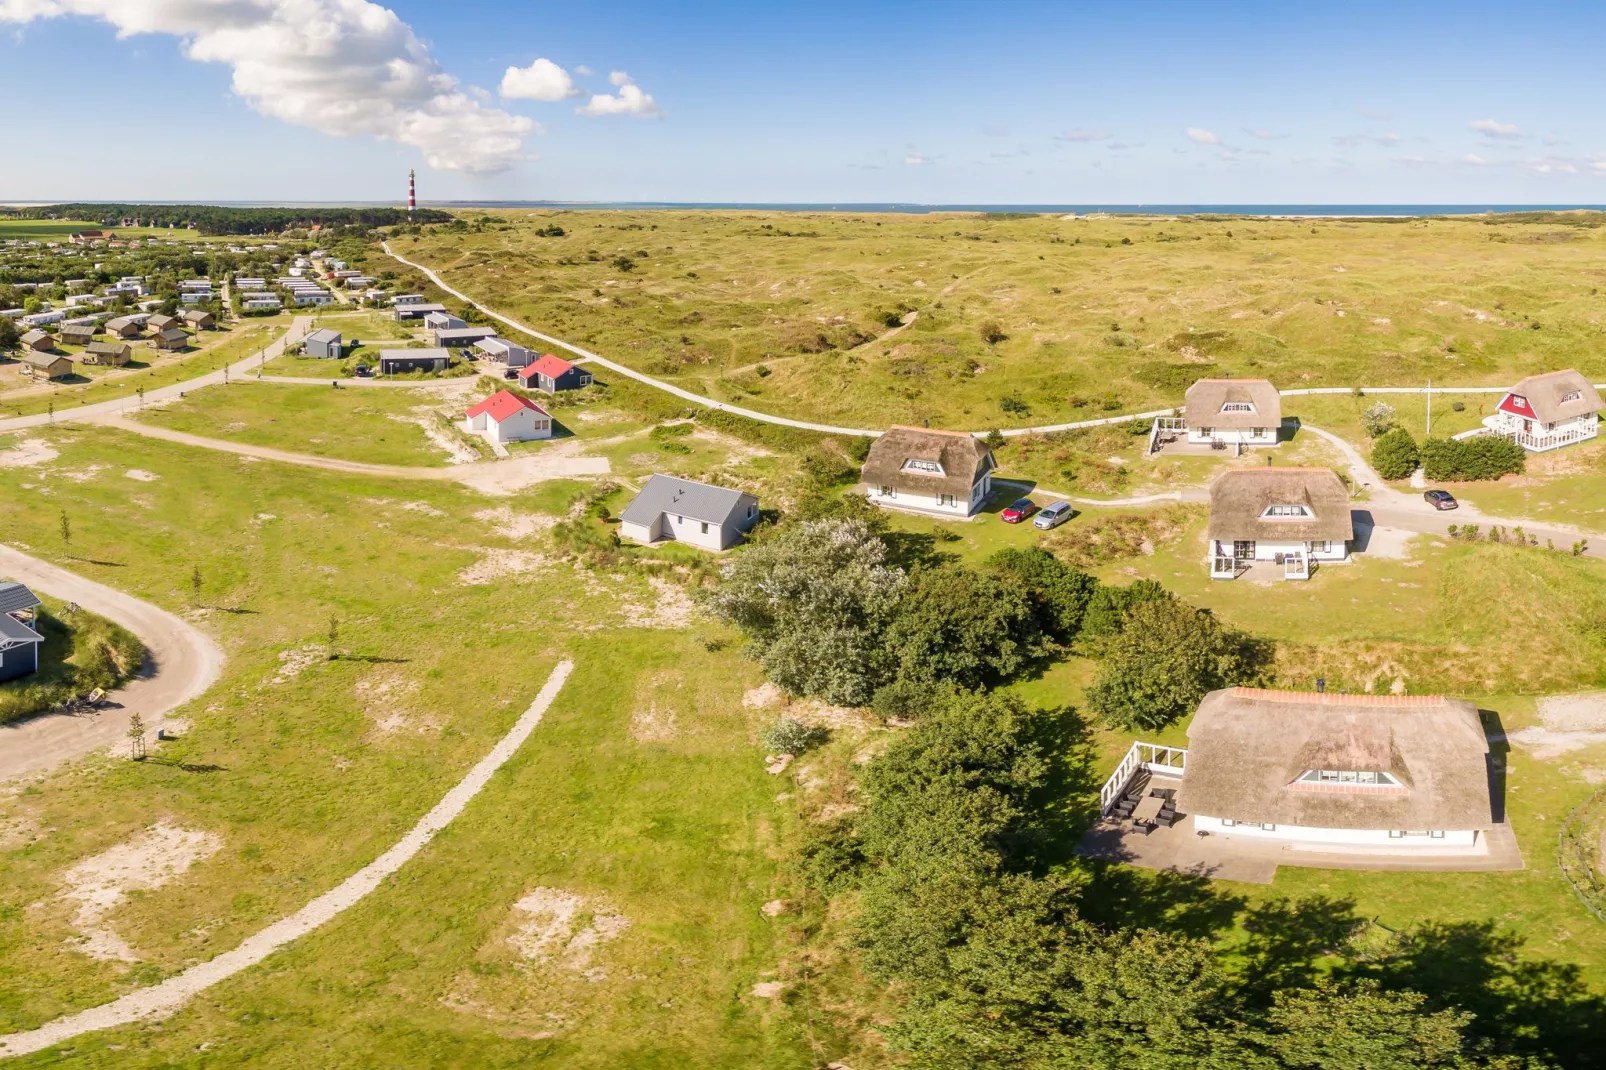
(1428, 430)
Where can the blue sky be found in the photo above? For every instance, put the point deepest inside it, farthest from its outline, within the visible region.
(933, 102)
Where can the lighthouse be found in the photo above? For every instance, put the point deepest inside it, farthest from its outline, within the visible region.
(412, 195)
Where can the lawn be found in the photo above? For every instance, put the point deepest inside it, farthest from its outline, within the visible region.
(642, 792)
(1089, 317)
(81, 651)
(369, 425)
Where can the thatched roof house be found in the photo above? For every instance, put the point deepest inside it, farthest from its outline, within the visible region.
(1336, 762)
(1233, 404)
(1280, 505)
(1556, 396)
(937, 471)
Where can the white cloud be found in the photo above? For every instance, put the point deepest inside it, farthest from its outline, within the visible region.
(542, 80)
(1264, 135)
(916, 159)
(1203, 137)
(341, 67)
(1474, 159)
(630, 100)
(1079, 134)
(583, 69)
(1491, 129)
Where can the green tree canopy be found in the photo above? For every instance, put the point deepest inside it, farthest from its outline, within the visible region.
(1161, 664)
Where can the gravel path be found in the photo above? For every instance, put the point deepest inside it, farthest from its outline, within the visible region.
(168, 997)
(183, 662)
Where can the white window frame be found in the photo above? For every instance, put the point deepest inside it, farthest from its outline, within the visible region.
(1571, 395)
(946, 499)
(1280, 512)
(924, 467)
(1237, 406)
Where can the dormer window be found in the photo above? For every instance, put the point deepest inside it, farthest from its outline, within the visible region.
(1362, 777)
(914, 464)
(1285, 511)
(1571, 395)
(1237, 406)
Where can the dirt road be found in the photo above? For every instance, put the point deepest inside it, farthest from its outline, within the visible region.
(183, 662)
(165, 998)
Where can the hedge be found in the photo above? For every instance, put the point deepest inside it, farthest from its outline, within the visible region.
(1483, 457)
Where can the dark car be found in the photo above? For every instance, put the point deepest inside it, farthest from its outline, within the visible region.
(1019, 510)
(364, 371)
(468, 354)
(1441, 499)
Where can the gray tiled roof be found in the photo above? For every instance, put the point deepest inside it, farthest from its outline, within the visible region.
(13, 631)
(14, 596)
(682, 497)
(324, 334)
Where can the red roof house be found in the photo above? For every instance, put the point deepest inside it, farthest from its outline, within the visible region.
(507, 417)
(552, 374)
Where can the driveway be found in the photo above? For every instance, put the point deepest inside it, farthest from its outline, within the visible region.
(182, 663)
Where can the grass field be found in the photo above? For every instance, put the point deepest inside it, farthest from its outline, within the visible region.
(643, 791)
(1096, 315)
(62, 229)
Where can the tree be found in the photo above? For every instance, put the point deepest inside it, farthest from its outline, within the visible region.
(995, 440)
(1166, 656)
(1378, 418)
(1059, 593)
(1108, 606)
(1360, 1028)
(992, 333)
(10, 337)
(195, 585)
(334, 635)
(814, 602)
(66, 534)
(955, 623)
(1394, 454)
(136, 737)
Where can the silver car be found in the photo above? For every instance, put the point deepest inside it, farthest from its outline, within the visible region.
(1053, 516)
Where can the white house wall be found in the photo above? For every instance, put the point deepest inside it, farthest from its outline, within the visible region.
(526, 425)
(933, 503)
(1463, 839)
(1249, 436)
(1268, 551)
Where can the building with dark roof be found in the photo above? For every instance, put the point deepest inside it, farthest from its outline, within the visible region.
(19, 638)
(671, 509)
(553, 374)
(948, 473)
(323, 343)
(398, 361)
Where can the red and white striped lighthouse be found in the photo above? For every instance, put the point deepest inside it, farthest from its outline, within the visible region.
(412, 194)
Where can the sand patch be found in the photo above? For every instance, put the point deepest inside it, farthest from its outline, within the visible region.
(1583, 712)
(653, 719)
(510, 525)
(672, 607)
(293, 662)
(386, 699)
(1546, 744)
(29, 453)
(18, 830)
(497, 564)
(562, 927)
(141, 476)
(765, 696)
(423, 507)
(82, 475)
(147, 861)
(1389, 544)
(457, 451)
(769, 989)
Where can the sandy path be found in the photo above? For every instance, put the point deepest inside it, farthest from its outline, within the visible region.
(168, 997)
(183, 663)
(561, 461)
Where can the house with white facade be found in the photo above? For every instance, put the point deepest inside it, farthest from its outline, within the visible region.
(1242, 412)
(945, 473)
(1316, 770)
(507, 417)
(1293, 518)
(671, 509)
(1546, 412)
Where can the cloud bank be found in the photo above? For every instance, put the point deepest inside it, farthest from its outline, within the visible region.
(630, 100)
(542, 80)
(341, 67)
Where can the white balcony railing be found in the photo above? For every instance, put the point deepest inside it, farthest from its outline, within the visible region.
(1150, 757)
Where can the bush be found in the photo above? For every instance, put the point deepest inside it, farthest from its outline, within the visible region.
(992, 333)
(788, 735)
(1377, 419)
(1013, 404)
(908, 700)
(1394, 454)
(1059, 593)
(955, 623)
(1483, 457)
(1108, 606)
(1166, 657)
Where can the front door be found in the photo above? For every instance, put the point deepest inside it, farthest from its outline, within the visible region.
(1244, 549)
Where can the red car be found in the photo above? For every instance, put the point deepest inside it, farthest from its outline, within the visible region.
(1019, 510)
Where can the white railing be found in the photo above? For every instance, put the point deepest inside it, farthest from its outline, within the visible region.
(1150, 757)
(1552, 441)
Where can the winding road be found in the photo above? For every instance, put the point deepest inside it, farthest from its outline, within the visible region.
(182, 662)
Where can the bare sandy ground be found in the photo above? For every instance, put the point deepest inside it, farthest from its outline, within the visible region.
(182, 663)
(161, 1000)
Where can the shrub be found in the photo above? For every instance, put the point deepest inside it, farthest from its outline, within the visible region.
(1167, 655)
(1394, 454)
(788, 735)
(1013, 404)
(1483, 457)
(992, 333)
(1377, 419)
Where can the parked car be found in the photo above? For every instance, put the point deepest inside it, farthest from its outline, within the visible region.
(1053, 515)
(364, 371)
(1441, 499)
(467, 354)
(1019, 510)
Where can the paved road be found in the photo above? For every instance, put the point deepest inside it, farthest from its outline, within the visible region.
(183, 663)
(239, 369)
(161, 1000)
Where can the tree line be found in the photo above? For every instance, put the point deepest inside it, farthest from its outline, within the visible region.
(217, 220)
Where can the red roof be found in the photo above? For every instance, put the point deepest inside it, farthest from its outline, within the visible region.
(547, 365)
(503, 404)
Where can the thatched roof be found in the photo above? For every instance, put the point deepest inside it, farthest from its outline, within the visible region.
(964, 460)
(1247, 747)
(1544, 393)
(1239, 497)
(1205, 398)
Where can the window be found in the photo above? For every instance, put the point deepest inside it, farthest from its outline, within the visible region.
(1285, 511)
(1320, 547)
(1237, 406)
(1348, 776)
(752, 510)
(705, 527)
(888, 492)
(914, 464)
(947, 499)
(1571, 395)
(1400, 834)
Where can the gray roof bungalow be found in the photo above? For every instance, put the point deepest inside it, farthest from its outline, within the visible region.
(417, 310)
(508, 353)
(38, 341)
(324, 342)
(19, 641)
(671, 509)
(398, 361)
(454, 337)
(198, 318)
(436, 321)
(46, 365)
(78, 335)
(117, 353)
